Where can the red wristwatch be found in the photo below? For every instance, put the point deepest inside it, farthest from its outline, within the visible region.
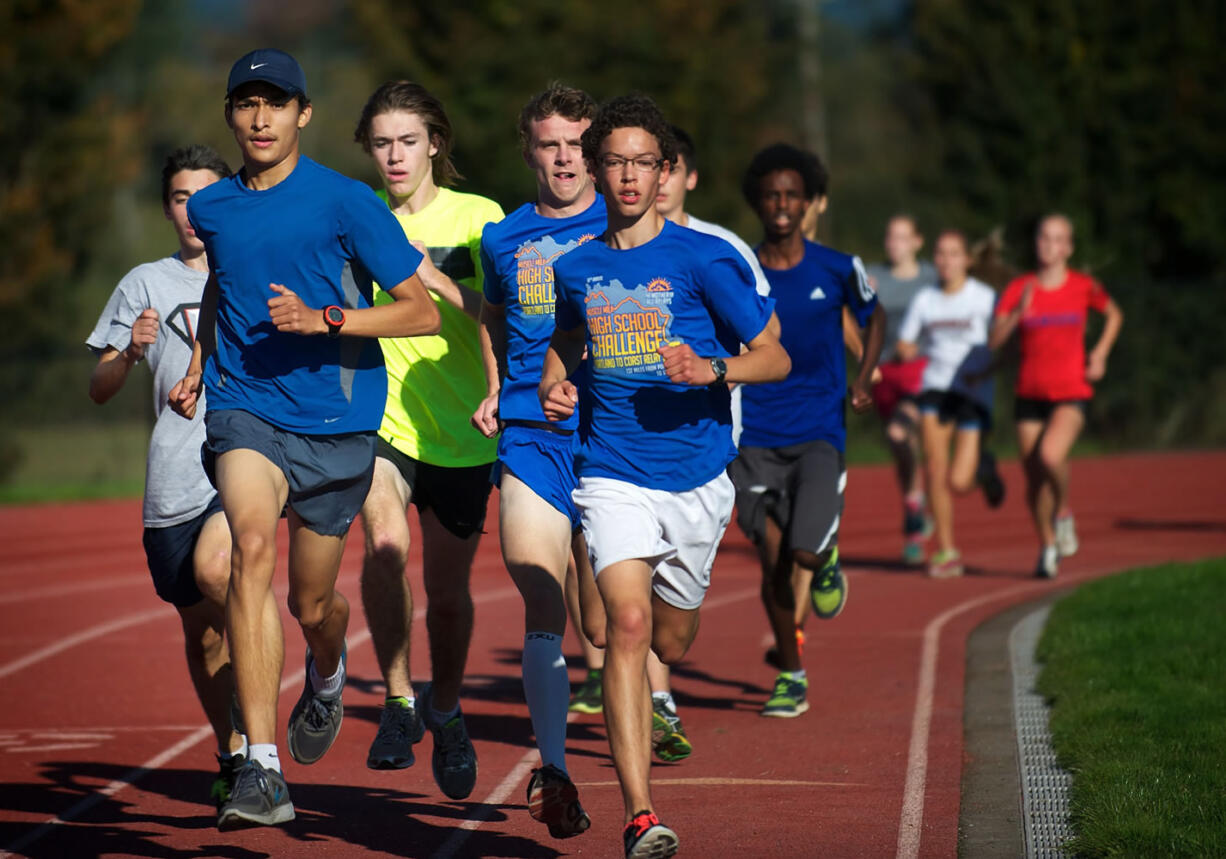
(334, 318)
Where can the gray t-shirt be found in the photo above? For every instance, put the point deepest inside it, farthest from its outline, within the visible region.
(894, 296)
(176, 488)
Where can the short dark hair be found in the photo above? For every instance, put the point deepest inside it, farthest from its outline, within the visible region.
(557, 99)
(629, 111)
(955, 233)
(784, 156)
(194, 157)
(412, 98)
(685, 147)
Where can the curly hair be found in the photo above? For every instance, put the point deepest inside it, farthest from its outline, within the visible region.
(557, 99)
(416, 99)
(629, 111)
(783, 156)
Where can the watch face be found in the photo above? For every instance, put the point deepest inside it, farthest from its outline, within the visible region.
(335, 315)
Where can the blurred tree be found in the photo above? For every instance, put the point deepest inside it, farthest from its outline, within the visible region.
(1111, 112)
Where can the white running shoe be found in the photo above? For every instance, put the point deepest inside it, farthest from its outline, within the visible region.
(1066, 535)
(1049, 563)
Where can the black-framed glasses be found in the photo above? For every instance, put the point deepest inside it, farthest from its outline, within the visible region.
(641, 163)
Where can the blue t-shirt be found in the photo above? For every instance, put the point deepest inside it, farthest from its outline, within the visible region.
(680, 286)
(518, 255)
(325, 237)
(809, 405)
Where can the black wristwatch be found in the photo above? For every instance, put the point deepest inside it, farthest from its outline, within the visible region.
(720, 368)
(334, 318)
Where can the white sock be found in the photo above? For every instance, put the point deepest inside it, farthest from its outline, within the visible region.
(795, 675)
(547, 691)
(666, 698)
(328, 687)
(266, 754)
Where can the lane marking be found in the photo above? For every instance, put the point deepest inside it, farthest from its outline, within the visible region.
(197, 736)
(710, 781)
(84, 636)
(71, 589)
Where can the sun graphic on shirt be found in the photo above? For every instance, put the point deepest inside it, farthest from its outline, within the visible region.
(659, 284)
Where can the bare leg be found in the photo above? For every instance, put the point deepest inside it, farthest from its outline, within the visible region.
(321, 611)
(447, 562)
(902, 433)
(1062, 430)
(779, 595)
(1039, 496)
(936, 436)
(386, 595)
(965, 461)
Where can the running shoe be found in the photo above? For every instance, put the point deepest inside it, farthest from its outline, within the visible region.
(789, 698)
(772, 653)
(988, 477)
(454, 760)
(554, 801)
(829, 588)
(1049, 563)
(399, 728)
(945, 565)
(259, 798)
(1066, 535)
(913, 551)
(646, 837)
(315, 720)
(668, 739)
(589, 697)
(223, 785)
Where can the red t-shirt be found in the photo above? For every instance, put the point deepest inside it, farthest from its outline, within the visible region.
(1052, 334)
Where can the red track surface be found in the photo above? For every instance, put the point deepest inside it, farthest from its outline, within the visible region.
(103, 749)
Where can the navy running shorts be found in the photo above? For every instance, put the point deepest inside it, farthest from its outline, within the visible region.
(170, 552)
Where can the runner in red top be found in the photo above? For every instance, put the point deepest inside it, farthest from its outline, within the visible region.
(1049, 309)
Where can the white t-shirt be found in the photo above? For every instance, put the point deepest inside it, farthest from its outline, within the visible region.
(176, 488)
(761, 284)
(951, 331)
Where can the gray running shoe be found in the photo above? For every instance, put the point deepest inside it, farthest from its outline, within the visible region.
(315, 721)
(454, 759)
(399, 728)
(259, 798)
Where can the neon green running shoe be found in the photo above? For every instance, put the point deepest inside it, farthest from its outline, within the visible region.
(589, 696)
(789, 698)
(829, 588)
(668, 738)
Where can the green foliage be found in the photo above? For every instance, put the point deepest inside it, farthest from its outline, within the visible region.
(1133, 665)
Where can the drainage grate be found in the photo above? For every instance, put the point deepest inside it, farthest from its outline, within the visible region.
(1045, 785)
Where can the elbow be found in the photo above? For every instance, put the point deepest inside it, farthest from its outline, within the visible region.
(783, 366)
(432, 320)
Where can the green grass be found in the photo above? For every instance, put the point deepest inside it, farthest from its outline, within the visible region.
(62, 463)
(1135, 668)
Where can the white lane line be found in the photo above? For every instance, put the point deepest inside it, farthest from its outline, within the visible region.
(84, 636)
(912, 817)
(197, 736)
(77, 588)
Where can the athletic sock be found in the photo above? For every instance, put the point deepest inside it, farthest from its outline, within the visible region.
(328, 687)
(547, 691)
(266, 754)
(404, 701)
(665, 698)
(914, 501)
(442, 718)
(794, 675)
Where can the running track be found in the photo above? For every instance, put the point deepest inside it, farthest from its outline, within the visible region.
(103, 750)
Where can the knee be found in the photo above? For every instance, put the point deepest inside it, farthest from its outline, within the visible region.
(669, 649)
(252, 549)
(387, 552)
(897, 433)
(1049, 460)
(310, 612)
(961, 485)
(629, 626)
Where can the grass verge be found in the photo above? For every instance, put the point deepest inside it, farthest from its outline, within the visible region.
(1135, 668)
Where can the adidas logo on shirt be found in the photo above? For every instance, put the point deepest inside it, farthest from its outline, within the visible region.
(817, 293)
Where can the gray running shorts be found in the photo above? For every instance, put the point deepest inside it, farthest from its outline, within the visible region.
(799, 486)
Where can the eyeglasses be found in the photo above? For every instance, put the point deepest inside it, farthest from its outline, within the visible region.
(643, 163)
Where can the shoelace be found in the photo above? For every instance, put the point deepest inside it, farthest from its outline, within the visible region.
(245, 775)
(392, 723)
(453, 744)
(319, 712)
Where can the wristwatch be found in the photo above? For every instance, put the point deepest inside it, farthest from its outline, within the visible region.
(334, 318)
(720, 368)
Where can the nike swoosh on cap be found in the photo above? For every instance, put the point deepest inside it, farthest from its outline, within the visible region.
(255, 66)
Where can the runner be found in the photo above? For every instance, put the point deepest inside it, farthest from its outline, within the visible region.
(151, 316)
(1054, 379)
(790, 473)
(426, 453)
(948, 326)
(897, 282)
(296, 390)
(668, 737)
(661, 311)
(537, 518)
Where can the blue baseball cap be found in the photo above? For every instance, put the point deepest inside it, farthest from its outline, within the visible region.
(270, 66)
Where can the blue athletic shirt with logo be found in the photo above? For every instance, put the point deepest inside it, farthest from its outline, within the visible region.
(809, 405)
(325, 237)
(518, 255)
(682, 286)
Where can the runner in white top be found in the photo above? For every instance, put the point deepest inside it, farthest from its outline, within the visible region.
(949, 326)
